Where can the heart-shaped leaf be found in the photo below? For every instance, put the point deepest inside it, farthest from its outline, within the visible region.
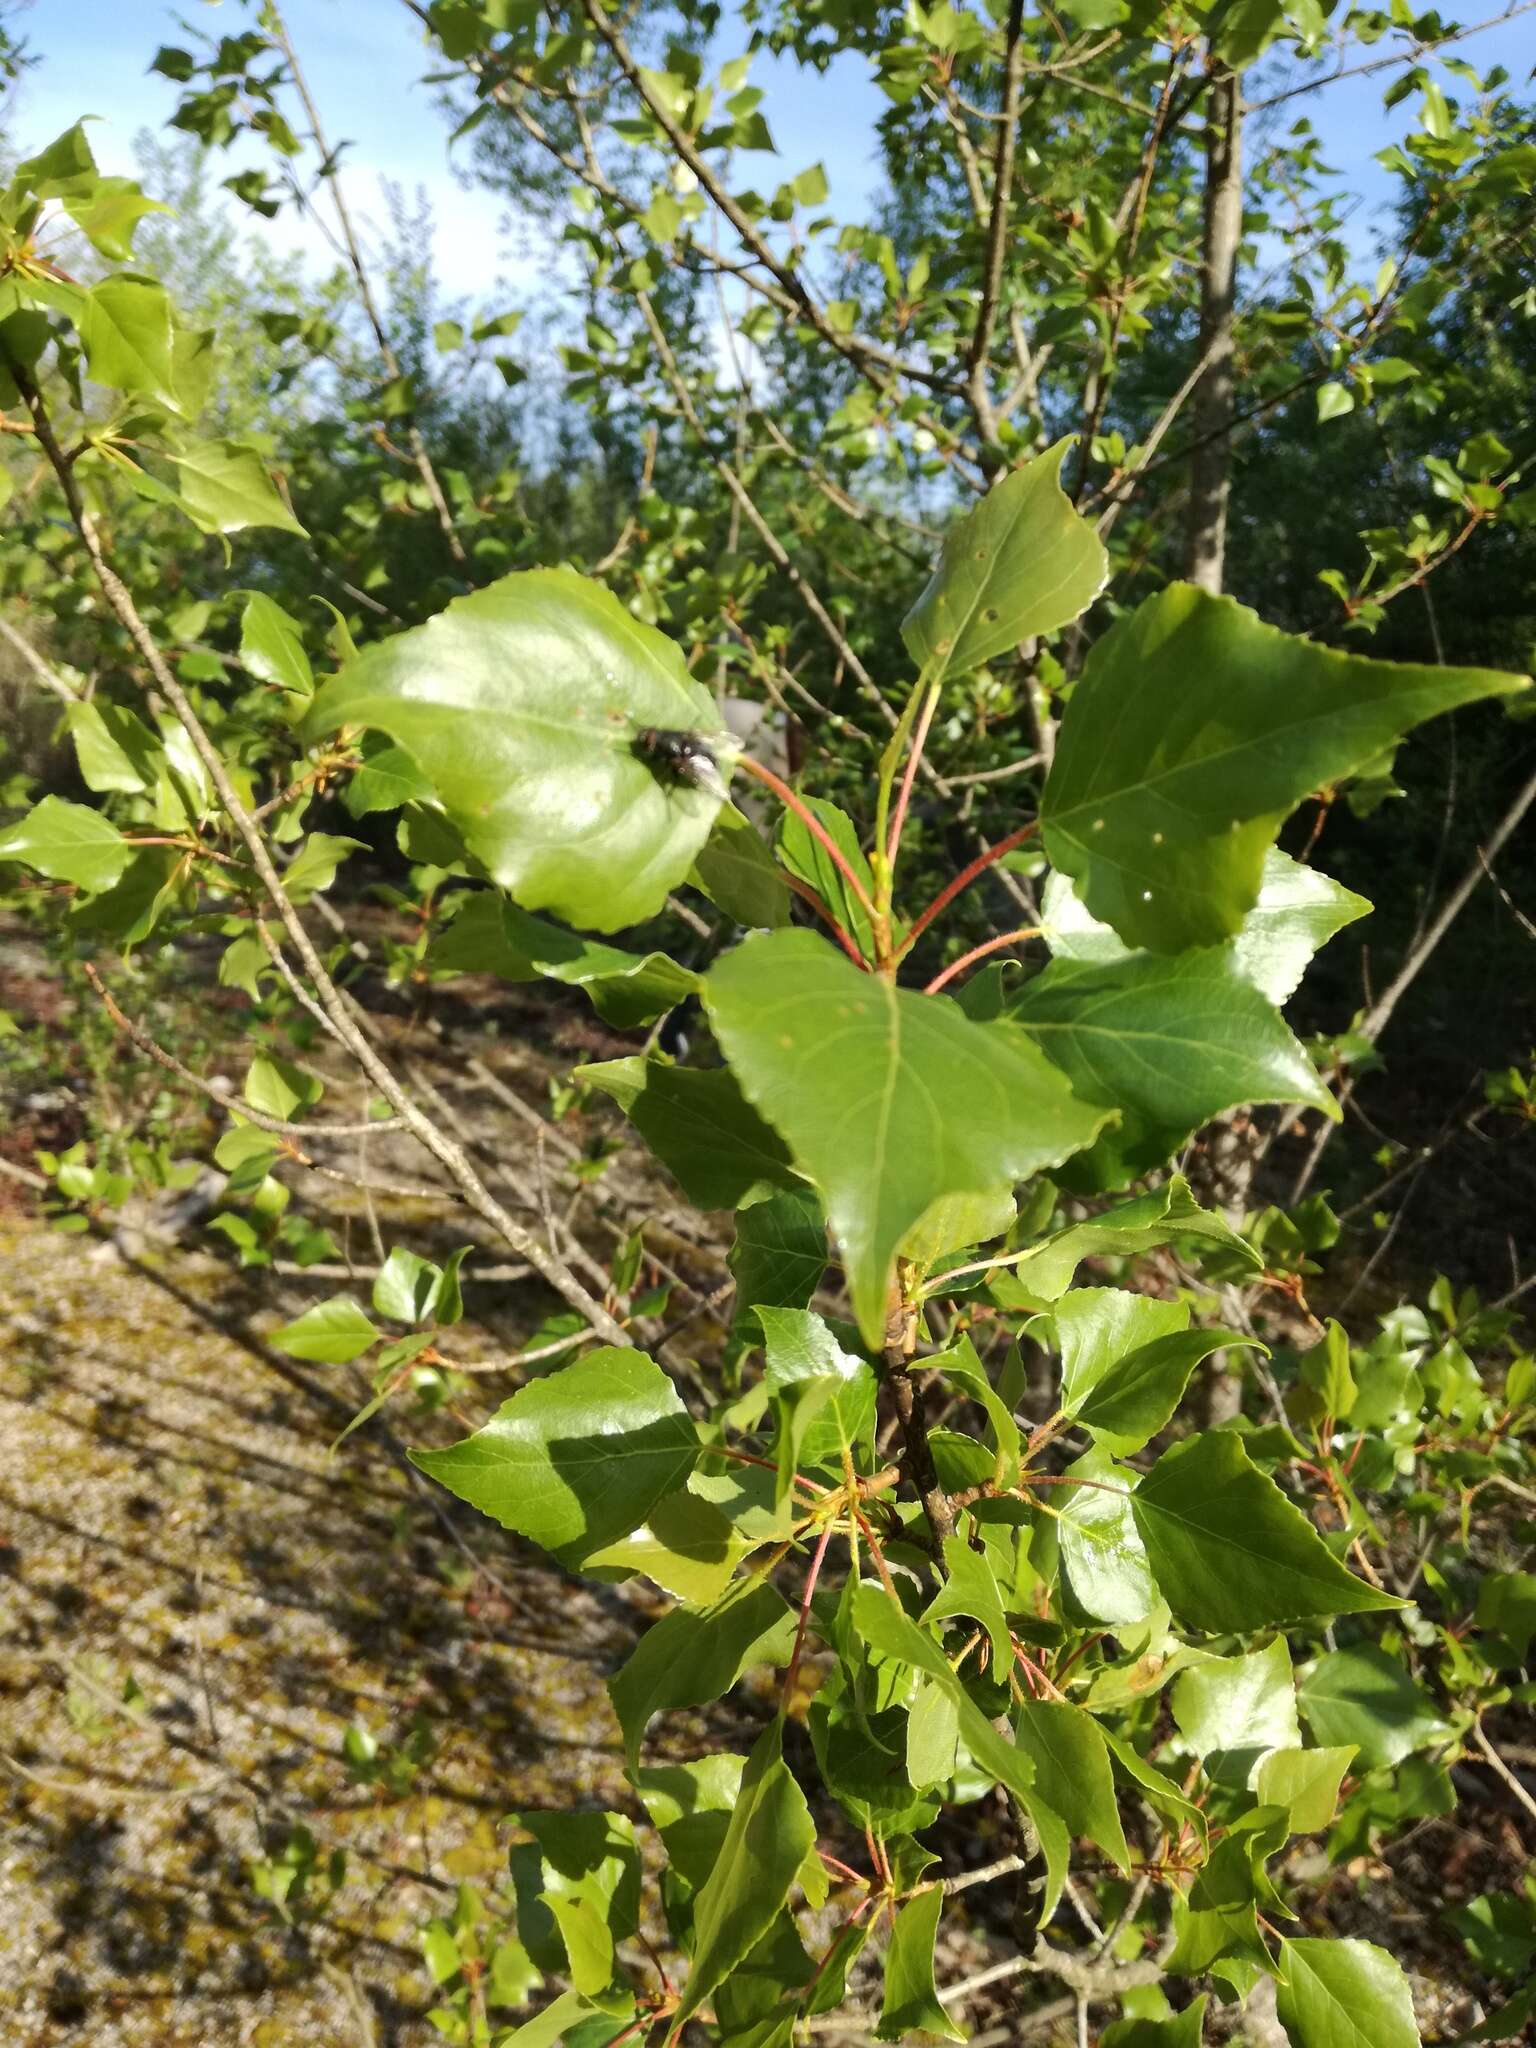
(887, 1099)
(523, 703)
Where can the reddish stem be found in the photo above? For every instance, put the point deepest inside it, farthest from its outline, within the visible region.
(812, 824)
(805, 1613)
(909, 776)
(1027, 931)
(965, 877)
(808, 895)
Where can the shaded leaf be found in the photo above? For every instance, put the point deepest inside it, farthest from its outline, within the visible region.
(1191, 735)
(692, 1657)
(490, 935)
(911, 1998)
(1363, 1697)
(736, 870)
(1168, 1215)
(701, 1128)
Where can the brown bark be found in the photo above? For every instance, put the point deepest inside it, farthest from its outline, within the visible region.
(896, 1358)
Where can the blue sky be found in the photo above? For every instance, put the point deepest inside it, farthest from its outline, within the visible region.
(365, 61)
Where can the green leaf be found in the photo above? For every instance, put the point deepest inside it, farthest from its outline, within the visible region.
(823, 1400)
(1171, 1043)
(701, 1128)
(522, 703)
(1229, 1552)
(1182, 2030)
(406, 1287)
(107, 211)
(933, 1731)
(737, 872)
(770, 1835)
(1192, 734)
(780, 1253)
(115, 750)
(1297, 912)
(1072, 1773)
(1103, 1560)
(490, 935)
(1363, 1697)
(225, 488)
(1343, 1994)
(692, 1657)
(68, 843)
(685, 1544)
(888, 1100)
(1168, 1215)
(278, 1087)
(1333, 401)
(1306, 1783)
(589, 1881)
(386, 780)
(805, 857)
(331, 1333)
(1138, 1394)
(314, 866)
(970, 1588)
(1024, 562)
(577, 1459)
(556, 2023)
(129, 911)
(125, 329)
(911, 1998)
(961, 1366)
(272, 647)
(1233, 1710)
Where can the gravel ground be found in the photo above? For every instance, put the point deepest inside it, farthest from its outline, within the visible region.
(169, 1513)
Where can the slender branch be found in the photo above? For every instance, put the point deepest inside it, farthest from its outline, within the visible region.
(900, 1330)
(1497, 1764)
(792, 1672)
(1409, 56)
(812, 824)
(997, 228)
(278, 29)
(985, 859)
(909, 773)
(808, 896)
(448, 1154)
(1028, 931)
(49, 677)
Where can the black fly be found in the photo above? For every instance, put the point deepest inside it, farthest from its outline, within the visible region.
(683, 757)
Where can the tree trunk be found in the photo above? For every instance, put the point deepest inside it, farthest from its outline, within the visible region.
(1222, 1170)
(1212, 401)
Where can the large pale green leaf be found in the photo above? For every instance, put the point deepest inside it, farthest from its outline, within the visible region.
(770, 1835)
(911, 1997)
(1168, 1215)
(1229, 1552)
(888, 1100)
(522, 702)
(1344, 1994)
(1232, 1710)
(1364, 1697)
(576, 1460)
(691, 1657)
(1103, 1560)
(68, 843)
(126, 332)
(1305, 1782)
(1023, 562)
(106, 211)
(225, 488)
(1192, 734)
(701, 1127)
(1170, 1043)
(1298, 911)
(491, 935)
